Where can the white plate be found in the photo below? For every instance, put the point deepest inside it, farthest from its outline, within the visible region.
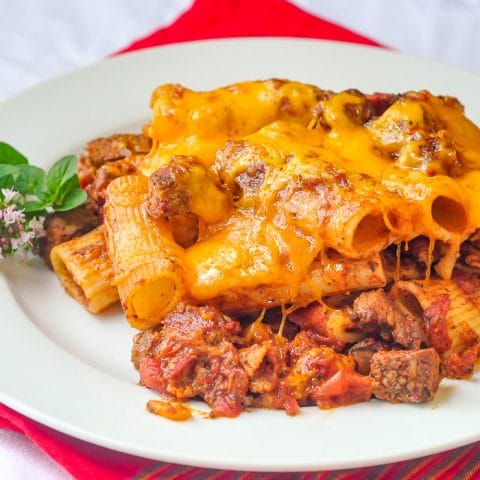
(71, 370)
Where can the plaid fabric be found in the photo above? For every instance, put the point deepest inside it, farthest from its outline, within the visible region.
(85, 461)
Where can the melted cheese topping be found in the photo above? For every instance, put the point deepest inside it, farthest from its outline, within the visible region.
(185, 122)
(348, 184)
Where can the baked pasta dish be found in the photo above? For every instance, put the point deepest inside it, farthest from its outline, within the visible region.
(278, 245)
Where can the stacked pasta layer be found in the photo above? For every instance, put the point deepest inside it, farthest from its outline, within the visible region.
(339, 232)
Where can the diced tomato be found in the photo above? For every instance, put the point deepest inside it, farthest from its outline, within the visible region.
(151, 374)
(226, 406)
(344, 388)
(461, 365)
(182, 367)
(437, 325)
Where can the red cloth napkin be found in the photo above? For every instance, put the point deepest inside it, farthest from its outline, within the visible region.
(220, 19)
(246, 18)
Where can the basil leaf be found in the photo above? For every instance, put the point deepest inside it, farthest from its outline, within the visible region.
(10, 156)
(6, 170)
(30, 180)
(8, 174)
(71, 184)
(61, 171)
(7, 181)
(34, 207)
(73, 199)
(59, 189)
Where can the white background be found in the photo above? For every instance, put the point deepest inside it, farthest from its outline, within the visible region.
(42, 38)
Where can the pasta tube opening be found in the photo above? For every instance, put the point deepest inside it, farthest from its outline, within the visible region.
(146, 260)
(371, 234)
(65, 274)
(156, 290)
(449, 214)
(462, 316)
(85, 271)
(409, 302)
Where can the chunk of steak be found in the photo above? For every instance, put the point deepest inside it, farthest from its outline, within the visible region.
(63, 226)
(170, 194)
(115, 147)
(101, 151)
(410, 376)
(167, 196)
(193, 354)
(377, 314)
(106, 173)
(363, 351)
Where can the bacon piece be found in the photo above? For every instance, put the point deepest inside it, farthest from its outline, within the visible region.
(381, 101)
(268, 376)
(252, 357)
(306, 340)
(313, 368)
(313, 317)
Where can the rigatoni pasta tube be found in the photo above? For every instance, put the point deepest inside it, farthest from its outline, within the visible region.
(146, 260)
(434, 205)
(185, 122)
(470, 185)
(85, 271)
(328, 277)
(283, 166)
(463, 317)
(341, 275)
(441, 210)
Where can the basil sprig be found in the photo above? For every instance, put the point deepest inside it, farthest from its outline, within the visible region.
(56, 190)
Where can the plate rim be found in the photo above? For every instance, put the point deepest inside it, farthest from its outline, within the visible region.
(119, 57)
(63, 427)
